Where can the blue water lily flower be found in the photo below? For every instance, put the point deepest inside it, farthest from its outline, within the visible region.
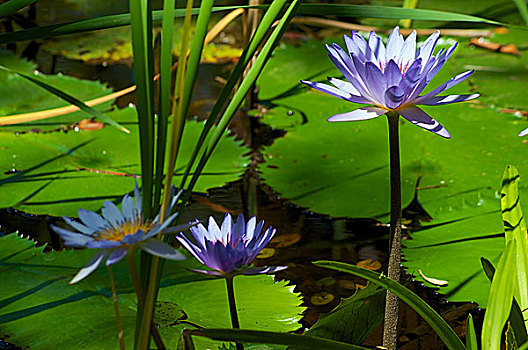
(230, 249)
(116, 231)
(391, 78)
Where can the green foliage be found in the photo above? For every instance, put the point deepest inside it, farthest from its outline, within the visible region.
(448, 336)
(15, 90)
(354, 319)
(35, 299)
(341, 169)
(59, 173)
(500, 298)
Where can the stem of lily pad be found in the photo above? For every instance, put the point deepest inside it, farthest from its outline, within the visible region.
(390, 330)
(132, 268)
(116, 308)
(232, 308)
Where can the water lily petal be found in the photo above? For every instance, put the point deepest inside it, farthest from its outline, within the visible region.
(375, 80)
(418, 117)
(155, 247)
(112, 214)
(442, 100)
(375, 50)
(344, 86)
(426, 50)
(394, 44)
(78, 226)
(263, 270)
(137, 197)
(394, 97)
(128, 206)
(116, 255)
(193, 249)
(72, 239)
(392, 73)
(209, 273)
(407, 54)
(362, 113)
(523, 133)
(448, 84)
(103, 244)
(357, 46)
(92, 220)
(335, 92)
(94, 262)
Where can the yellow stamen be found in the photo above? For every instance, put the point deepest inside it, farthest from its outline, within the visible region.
(126, 228)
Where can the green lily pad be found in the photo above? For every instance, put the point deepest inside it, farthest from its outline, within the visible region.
(35, 300)
(341, 169)
(58, 173)
(18, 95)
(354, 319)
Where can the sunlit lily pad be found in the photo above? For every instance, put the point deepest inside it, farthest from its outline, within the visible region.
(58, 173)
(18, 95)
(37, 300)
(341, 169)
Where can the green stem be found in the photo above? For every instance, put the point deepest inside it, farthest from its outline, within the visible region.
(116, 309)
(390, 330)
(132, 268)
(232, 307)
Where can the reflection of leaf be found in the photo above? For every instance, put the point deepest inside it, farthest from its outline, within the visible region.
(57, 173)
(354, 319)
(341, 169)
(36, 299)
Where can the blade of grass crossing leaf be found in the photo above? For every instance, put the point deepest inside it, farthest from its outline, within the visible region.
(516, 317)
(361, 11)
(12, 6)
(440, 326)
(523, 9)
(88, 25)
(143, 71)
(265, 24)
(295, 340)
(167, 29)
(500, 298)
(515, 230)
(471, 334)
(242, 91)
(366, 11)
(68, 98)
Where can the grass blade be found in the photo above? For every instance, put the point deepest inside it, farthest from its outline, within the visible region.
(362, 11)
(515, 230)
(68, 98)
(242, 91)
(366, 11)
(471, 334)
(516, 317)
(12, 6)
(500, 299)
(88, 25)
(167, 29)
(269, 17)
(523, 9)
(440, 326)
(143, 71)
(263, 337)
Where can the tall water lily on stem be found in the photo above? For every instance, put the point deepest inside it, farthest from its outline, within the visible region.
(389, 79)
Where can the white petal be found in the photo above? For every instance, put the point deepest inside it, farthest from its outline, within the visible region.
(363, 113)
(91, 266)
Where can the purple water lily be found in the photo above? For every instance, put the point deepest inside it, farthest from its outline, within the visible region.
(114, 233)
(231, 248)
(391, 78)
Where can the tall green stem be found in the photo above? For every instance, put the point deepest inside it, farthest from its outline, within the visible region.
(390, 331)
(232, 307)
(116, 309)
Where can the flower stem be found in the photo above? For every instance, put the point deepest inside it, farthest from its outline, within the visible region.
(132, 268)
(116, 308)
(232, 307)
(390, 331)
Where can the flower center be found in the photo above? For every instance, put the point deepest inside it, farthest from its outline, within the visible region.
(126, 228)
